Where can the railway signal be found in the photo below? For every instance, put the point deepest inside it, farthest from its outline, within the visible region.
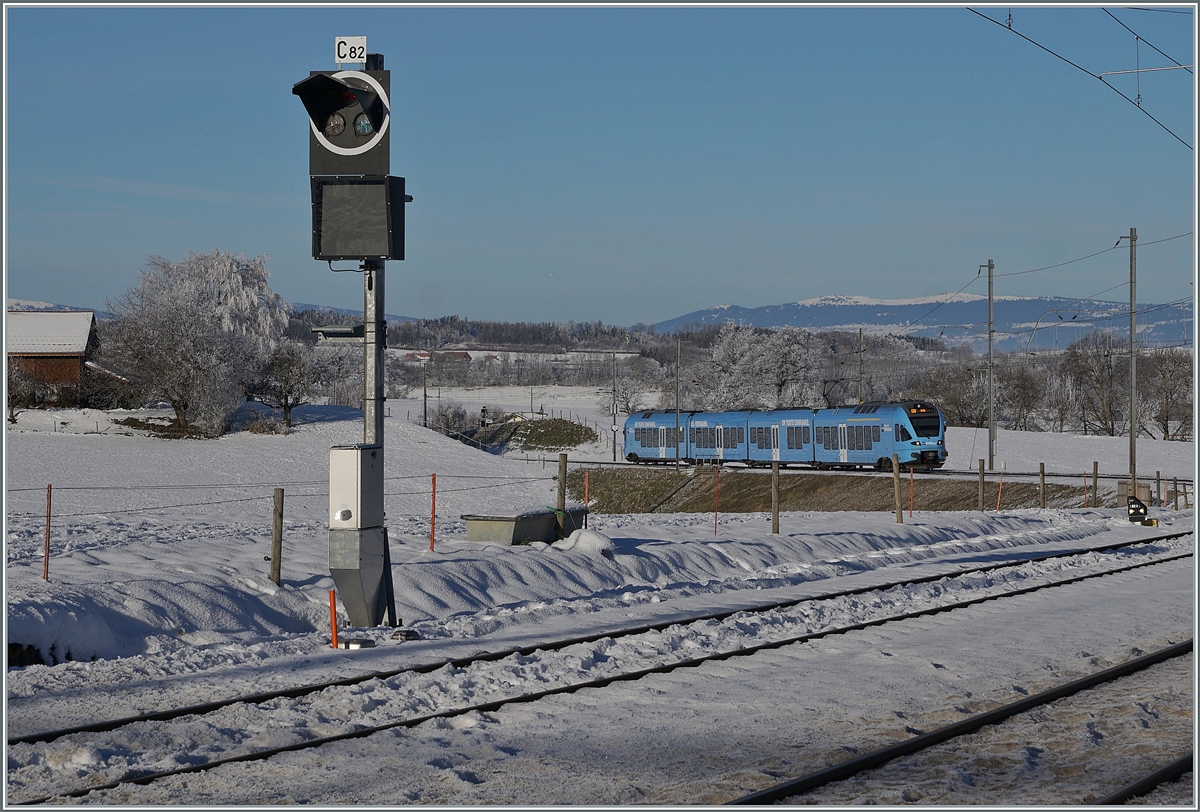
(357, 214)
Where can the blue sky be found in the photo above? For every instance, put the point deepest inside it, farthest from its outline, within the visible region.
(621, 164)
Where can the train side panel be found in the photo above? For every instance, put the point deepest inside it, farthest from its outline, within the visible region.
(717, 436)
(782, 434)
(650, 436)
(850, 436)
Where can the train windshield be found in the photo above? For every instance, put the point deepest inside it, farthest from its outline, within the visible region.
(926, 425)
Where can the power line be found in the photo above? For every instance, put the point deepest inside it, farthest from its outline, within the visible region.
(1143, 39)
(1085, 70)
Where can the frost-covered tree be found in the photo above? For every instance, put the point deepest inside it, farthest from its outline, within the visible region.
(23, 389)
(196, 333)
(728, 380)
(289, 379)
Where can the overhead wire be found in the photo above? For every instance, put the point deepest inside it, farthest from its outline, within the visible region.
(1084, 70)
(1143, 39)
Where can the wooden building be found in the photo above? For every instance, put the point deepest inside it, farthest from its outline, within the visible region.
(52, 346)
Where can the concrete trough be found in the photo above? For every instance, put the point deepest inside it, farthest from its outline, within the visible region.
(522, 527)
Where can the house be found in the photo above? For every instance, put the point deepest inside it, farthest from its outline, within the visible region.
(52, 346)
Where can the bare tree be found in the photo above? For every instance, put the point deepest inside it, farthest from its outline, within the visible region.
(1169, 386)
(1020, 392)
(1098, 363)
(289, 379)
(1061, 401)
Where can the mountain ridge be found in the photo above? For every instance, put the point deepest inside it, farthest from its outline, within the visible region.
(1019, 322)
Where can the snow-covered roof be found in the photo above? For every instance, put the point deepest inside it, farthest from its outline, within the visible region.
(48, 332)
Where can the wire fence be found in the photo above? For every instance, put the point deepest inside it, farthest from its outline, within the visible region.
(488, 483)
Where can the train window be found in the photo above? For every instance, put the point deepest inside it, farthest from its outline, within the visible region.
(805, 440)
(867, 437)
(741, 435)
(926, 425)
(875, 433)
(902, 434)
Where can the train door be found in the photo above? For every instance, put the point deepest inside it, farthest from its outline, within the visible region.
(842, 442)
(720, 430)
(662, 442)
(775, 443)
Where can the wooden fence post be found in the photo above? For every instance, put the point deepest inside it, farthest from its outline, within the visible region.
(1176, 489)
(896, 488)
(587, 501)
(1095, 483)
(432, 508)
(277, 537)
(1158, 488)
(716, 497)
(46, 556)
(981, 486)
(1042, 485)
(775, 497)
(561, 518)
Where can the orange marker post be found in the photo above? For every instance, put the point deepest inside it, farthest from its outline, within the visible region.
(1000, 492)
(333, 617)
(910, 492)
(587, 505)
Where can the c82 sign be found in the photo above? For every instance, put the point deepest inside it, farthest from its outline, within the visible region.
(350, 49)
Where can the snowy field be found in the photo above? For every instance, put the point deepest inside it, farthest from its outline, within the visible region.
(158, 591)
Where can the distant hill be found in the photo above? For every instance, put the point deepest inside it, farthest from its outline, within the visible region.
(960, 318)
(346, 311)
(29, 304)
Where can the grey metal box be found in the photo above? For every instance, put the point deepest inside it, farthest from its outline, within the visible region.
(355, 487)
(524, 527)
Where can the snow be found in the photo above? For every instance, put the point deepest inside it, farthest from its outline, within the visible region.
(158, 573)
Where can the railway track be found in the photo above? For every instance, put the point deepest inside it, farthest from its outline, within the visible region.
(1151, 781)
(869, 761)
(714, 639)
(555, 645)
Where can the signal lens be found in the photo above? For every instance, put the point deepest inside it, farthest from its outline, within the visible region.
(362, 126)
(335, 126)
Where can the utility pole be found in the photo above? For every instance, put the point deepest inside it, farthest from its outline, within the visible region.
(1132, 237)
(374, 339)
(991, 374)
(614, 407)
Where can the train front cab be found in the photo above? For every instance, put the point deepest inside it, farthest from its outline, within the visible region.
(783, 434)
(920, 435)
(717, 437)
(650, 436)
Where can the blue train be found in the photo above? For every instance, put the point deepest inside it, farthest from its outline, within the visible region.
(865, 435)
